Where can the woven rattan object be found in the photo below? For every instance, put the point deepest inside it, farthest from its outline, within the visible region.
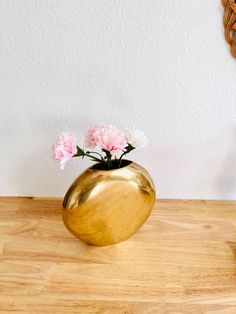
(230, 24)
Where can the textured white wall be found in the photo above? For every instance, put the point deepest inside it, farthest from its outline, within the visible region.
(163, 65)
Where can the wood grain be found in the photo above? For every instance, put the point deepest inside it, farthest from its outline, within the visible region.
(183, 260)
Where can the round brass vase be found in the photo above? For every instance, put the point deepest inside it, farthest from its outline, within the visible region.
(104, 207)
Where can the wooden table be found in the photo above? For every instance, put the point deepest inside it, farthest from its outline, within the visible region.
(183, 260)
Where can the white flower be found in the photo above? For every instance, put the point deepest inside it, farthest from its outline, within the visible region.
(136, 138)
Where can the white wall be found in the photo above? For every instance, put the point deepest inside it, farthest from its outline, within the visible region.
(163, 65)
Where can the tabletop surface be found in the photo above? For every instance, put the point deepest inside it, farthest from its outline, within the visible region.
(183, 260)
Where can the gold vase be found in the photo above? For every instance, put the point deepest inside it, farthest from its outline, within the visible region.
(104, 207)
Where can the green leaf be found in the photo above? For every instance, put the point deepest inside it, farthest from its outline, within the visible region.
(129, 147)
(80, 152)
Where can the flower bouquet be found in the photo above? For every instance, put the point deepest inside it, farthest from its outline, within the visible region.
(111, 199)
(108, 139)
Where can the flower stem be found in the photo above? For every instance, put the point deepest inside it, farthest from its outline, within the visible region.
(108, 158)
(128, 149)
(93, 158)
(82, 153)
(102, 159)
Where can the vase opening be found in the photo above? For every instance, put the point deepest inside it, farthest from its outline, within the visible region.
(115, 164)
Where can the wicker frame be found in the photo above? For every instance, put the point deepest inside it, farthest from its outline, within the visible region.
(230, 24)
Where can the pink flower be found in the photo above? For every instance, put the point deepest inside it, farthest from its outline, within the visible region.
(65, 148)
(91, 136)
(107, 137)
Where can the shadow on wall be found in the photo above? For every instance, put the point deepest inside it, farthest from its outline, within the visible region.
(34, 172)
(226, 181)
